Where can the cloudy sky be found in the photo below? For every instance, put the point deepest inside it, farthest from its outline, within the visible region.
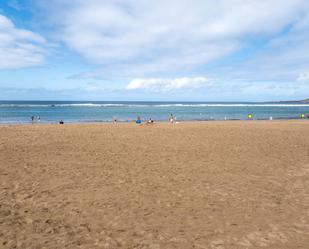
(193, 50)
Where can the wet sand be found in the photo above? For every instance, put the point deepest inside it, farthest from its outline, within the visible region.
(197, 185)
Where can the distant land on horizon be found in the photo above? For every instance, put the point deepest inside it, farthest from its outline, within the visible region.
(305, 101)
(299, 101)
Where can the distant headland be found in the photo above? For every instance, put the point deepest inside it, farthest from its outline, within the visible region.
(301, 101)
(304, 101)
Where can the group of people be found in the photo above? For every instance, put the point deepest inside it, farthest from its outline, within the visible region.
(172, 120)
(139, 121)
(37, 119)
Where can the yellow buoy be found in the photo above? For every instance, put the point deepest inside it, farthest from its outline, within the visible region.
(250, 116)
(302, 115)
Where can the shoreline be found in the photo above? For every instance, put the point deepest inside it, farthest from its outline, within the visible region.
(145, 121)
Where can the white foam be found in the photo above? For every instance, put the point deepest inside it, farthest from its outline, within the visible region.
(151, 105)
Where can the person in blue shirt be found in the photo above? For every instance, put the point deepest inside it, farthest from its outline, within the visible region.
(138, 120)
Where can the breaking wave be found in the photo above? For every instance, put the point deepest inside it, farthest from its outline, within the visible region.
(148, 105)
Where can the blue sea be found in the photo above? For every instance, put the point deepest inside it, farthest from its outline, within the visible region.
(105, 111)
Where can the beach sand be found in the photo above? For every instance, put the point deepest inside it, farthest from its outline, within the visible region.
(234, 184)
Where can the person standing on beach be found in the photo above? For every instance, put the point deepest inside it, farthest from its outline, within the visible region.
(32, 119)
(172, 118)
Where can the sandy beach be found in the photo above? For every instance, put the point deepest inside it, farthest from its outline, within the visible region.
(220, 185)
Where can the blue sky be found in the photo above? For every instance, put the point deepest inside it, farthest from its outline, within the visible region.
(198, 50)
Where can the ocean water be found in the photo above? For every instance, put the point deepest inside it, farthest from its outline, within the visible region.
(103, 111)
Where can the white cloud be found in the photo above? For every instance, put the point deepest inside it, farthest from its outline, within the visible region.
(255, 48)
(19, 48)
(95, 88)
(166, 85)
(144, 38)
(303, 77)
